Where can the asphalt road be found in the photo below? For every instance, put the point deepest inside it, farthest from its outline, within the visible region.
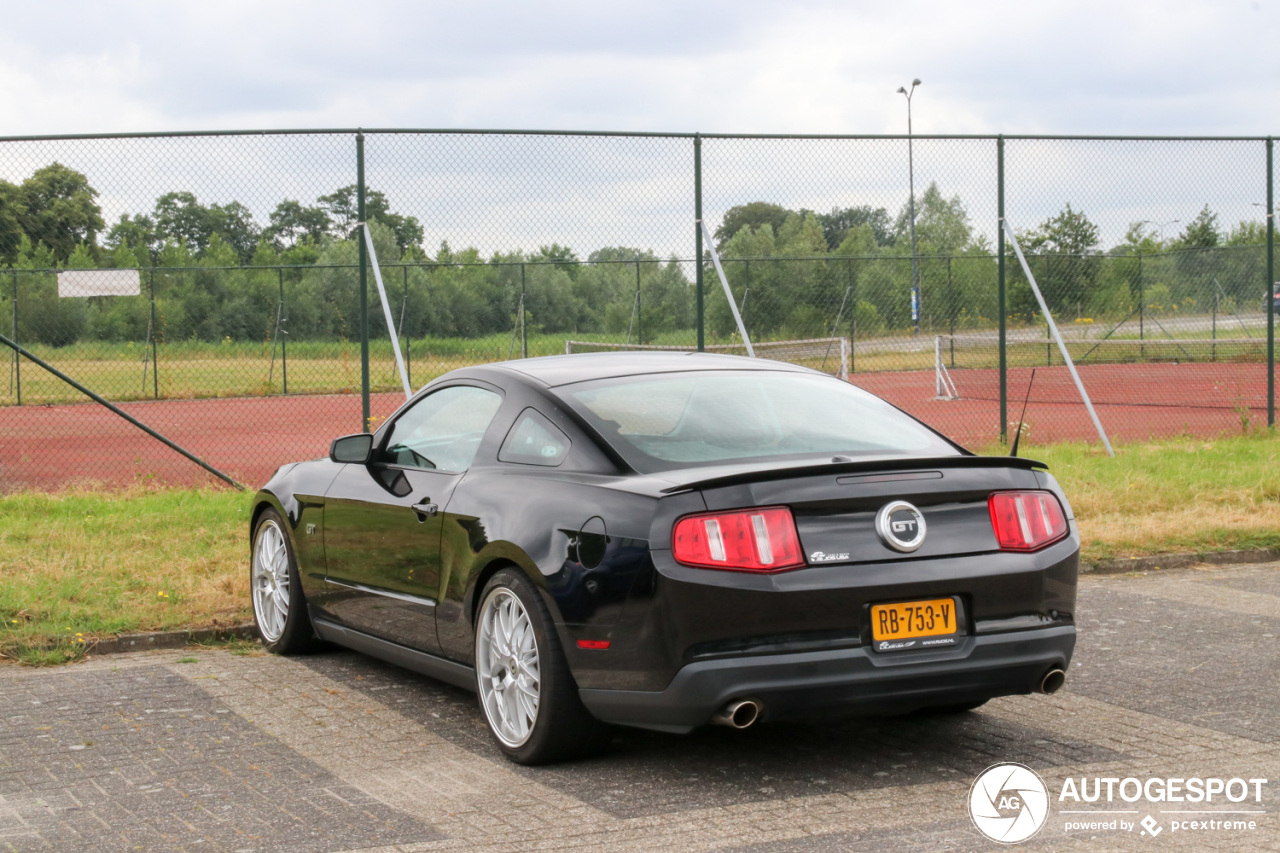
(1177, 675)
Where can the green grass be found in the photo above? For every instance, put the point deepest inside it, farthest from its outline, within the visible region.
(198, 370)
(187, 370)
(81, 565)
(1174, 495)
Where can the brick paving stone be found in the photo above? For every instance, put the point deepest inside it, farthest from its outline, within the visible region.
(1175, 675)
(144, 757)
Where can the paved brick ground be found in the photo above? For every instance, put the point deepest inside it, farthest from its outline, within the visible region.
(1177, 674)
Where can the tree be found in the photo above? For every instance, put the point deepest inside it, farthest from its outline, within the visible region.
(1247, 234)
(181, 218)
(605, 292)
(837, 224)
(342, 207)
(942, 224)
(42, 315)
(1139, 240)
(781, 291)
(407, 231)
(57, 208)
(1197, 263)
(292, 222)
(1068, 233)
(801, 234)
(562, 256)
(1201, 232)
(10, 222)
(136, 232)
(752, 215)
(1063, 256)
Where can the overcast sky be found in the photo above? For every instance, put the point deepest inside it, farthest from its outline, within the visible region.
(1117, 67)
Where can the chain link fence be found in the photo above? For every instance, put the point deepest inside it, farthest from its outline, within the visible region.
(210, 285)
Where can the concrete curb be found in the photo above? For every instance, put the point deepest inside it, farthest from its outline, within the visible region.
(1180, 561)
(171, 639)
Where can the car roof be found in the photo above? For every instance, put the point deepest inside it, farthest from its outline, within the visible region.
(555, 370)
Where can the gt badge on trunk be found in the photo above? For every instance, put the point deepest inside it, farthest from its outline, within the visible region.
(914, 625)
(900, 526)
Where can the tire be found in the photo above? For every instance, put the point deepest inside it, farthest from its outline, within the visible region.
(526, 692)
(279, 607)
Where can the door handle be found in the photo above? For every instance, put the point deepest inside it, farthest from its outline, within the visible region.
(425, 509)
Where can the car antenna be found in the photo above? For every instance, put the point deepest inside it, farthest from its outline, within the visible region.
(1022, 418)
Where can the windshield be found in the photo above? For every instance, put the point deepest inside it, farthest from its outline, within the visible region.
(682, 420)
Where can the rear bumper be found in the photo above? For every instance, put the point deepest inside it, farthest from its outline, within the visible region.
(843, 682)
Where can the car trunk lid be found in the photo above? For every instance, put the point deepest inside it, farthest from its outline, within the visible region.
(835, 510)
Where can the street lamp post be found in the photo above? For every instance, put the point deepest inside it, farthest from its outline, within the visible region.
(911, 202)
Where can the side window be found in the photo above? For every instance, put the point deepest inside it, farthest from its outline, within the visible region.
(442, 430)
(534, 440)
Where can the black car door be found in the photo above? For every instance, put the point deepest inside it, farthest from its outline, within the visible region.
(382, 521)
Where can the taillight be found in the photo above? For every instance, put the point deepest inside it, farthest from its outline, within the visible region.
(1026, 521)
(745, 540)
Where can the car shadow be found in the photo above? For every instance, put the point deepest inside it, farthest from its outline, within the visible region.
(642, 773)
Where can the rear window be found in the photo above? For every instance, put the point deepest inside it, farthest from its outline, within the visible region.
(681, 420)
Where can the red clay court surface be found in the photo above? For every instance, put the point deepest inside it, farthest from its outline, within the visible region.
(50, 447)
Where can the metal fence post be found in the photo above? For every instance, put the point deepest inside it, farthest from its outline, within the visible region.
(284, 336)
(408, 341)
(697, 235)
(639, 310)
(1271, 283)
(155, 333)
(364, 288)
(951, 310)
(524, 340)
(1214, 331)
(853, 316)
(1048, 336)
(1142, 308)
(17, 359)
(1000, 288)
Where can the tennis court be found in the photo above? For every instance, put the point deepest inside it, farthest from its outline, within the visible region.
(49, 447)
(1135, 402)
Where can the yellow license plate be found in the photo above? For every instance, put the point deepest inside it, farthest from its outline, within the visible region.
(908, 620)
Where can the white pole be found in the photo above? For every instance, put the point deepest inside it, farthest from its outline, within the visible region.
(728, 294)
(1053, 327)
(938, 391)
(386, 311)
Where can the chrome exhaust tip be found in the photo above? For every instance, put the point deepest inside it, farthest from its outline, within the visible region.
(1052, 681)
(740, 714)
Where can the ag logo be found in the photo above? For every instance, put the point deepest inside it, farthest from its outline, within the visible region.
(1008, 803)
(900, 526)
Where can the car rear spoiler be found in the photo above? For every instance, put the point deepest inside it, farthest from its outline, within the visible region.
(754, 474)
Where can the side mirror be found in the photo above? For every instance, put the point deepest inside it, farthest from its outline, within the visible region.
(352, 448)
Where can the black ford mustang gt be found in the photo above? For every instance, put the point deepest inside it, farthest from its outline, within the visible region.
(666, 540)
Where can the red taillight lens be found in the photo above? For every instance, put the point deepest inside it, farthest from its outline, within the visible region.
(1026, 521)
(746, 540)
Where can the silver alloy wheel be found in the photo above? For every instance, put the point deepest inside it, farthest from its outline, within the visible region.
(507, 667)
(270, 580)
